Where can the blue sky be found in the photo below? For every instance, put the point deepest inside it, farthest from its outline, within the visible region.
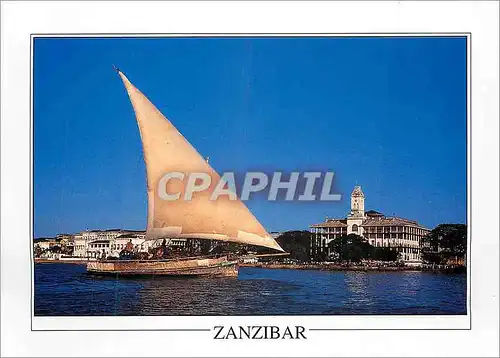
(386, 113)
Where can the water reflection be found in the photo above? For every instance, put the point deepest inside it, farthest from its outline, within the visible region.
(62, 289)
(358, 284)
(410, 283)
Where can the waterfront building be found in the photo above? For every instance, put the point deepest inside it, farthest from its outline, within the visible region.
(66, 242)
(98, 249)
(137, 239)
(82, 241)
(45, 243)
(95, 243)
(404, 235)
(51, 247)
(42, 247)
(80, 245)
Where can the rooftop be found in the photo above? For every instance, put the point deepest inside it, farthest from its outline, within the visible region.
(388, 221)
(332, 223)
(371, 220)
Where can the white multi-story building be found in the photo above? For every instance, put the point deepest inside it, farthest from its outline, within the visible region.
(379, 230)
(82, 240)
(138, 241)
(79, 245)
(99, 243)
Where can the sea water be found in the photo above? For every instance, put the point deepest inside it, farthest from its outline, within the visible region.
(67, 290)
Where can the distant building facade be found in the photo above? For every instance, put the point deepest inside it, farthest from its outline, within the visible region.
(45, 243)
(102, 243)
(99, 243)
(53, 247)
(379, 230)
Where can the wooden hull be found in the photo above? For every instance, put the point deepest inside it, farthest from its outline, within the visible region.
(219, 267)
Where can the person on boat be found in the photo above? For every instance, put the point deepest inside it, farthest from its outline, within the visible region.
(129, 247)
(164, 249)
(128, 251)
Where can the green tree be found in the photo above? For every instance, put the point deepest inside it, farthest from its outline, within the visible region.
(320, 256)
(67, 250)
(38, 251)
(55, 249)
(297, 243)
(432, 257)
(350, 248)
(445, 241)
(385, 254)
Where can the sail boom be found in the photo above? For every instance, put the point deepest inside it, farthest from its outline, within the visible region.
(242, 238)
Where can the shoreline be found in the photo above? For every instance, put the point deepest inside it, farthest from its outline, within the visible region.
(332, 267)
(50, 261)
(307, 267)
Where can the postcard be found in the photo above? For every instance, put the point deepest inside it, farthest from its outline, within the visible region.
(249, 187)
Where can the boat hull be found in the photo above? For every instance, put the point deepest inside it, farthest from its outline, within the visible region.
(219, 267)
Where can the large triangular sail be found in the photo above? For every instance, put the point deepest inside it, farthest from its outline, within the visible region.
(166, 151)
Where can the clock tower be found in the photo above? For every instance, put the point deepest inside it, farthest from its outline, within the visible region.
(357, 202)
(357, 214)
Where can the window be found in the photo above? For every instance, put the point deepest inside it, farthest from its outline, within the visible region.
(355, 228)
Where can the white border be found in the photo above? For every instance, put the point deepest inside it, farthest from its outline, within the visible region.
(319, 322)
(480, 19)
